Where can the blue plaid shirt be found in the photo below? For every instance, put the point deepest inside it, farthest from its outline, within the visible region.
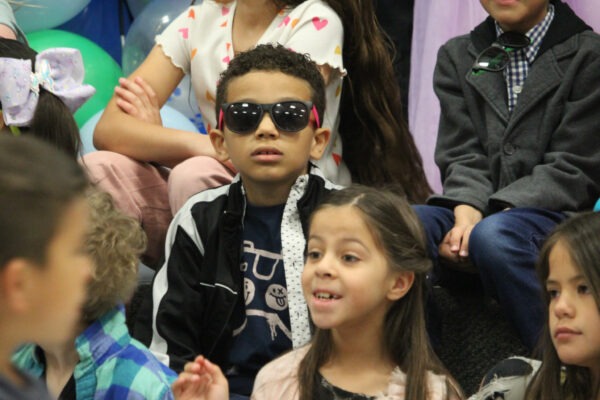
(520, 60)
(112, 364)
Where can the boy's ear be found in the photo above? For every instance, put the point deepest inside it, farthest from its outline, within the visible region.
(402, 283)
(320, 141)
(217, 139)
(15, 284)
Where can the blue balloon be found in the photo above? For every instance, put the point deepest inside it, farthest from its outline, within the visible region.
(171, 118)
(35, 15)
(136, 6)
(153, 19)
(597, 206)
(183, 100)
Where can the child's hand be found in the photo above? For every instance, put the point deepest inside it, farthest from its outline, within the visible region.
(201, 380)
(138, 99)
(455, 246)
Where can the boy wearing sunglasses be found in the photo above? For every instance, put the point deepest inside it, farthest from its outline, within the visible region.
(230, 287)
(517, 146)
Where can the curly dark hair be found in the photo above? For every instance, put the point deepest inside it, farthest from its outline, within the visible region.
(377, 146)
(269, 57)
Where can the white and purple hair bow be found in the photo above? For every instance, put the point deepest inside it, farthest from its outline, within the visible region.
(59, 70)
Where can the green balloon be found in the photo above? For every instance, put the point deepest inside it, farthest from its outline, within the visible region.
(101, 70)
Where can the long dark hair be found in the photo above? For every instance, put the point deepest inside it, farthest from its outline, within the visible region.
(581, 236)
(377, 145)
(52, 120)
(399, 234)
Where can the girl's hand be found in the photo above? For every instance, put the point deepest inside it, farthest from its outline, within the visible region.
(201, 380)
(137, 98)
(455, 246)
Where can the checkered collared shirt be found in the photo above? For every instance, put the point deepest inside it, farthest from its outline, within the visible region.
(520, 60)
(112, 365)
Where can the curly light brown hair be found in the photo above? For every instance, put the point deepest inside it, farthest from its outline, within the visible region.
(115, 243)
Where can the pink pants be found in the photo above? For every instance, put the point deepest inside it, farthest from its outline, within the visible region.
(153, 194)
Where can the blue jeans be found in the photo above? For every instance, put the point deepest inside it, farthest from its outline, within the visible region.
(504, 248)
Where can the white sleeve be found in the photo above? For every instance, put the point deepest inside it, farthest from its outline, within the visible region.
(313, 28)
(175, 41)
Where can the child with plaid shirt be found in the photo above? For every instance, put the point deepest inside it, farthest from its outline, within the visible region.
(101, 360)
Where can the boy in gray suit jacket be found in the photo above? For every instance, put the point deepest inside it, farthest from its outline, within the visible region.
(517, 146)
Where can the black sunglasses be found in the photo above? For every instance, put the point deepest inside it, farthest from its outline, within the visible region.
(496, 57)
(288, 116)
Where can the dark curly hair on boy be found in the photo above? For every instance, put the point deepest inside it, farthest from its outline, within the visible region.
(268, 57)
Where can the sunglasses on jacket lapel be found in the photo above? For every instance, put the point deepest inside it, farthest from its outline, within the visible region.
(496, 57)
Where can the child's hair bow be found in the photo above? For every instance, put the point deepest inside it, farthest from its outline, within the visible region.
(59, 70)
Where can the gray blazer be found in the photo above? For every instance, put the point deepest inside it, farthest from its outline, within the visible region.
(546, 153)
